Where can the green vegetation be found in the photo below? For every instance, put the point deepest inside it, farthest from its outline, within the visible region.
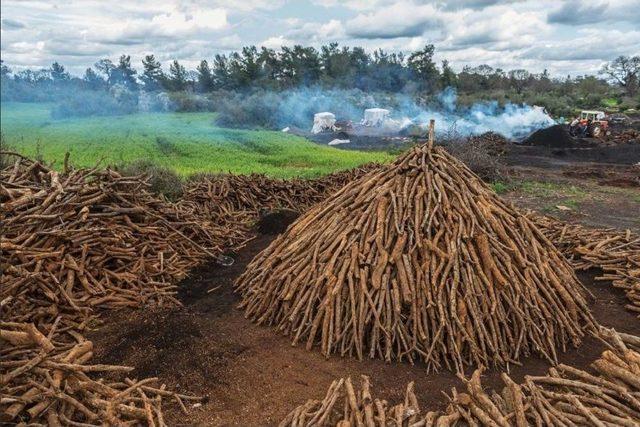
(501, 187)
(184, 142)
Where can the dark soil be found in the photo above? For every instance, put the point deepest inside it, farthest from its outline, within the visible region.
(612, 175)
(548, 157)
(276, 222)
(252, 376)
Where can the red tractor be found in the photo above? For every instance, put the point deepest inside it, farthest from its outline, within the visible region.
(590, 124)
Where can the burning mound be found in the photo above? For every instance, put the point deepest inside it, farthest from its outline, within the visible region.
(419, 260)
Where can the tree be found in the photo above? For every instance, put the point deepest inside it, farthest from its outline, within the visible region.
(92, 80)
(125, 74)
(204, 77)
(422, 65)
(221, 75)
(106, 67)
(58, 73)
(177, 76)
(519, 79)
(152, 76)
(4, 70)
(624, 71)
(448, 77)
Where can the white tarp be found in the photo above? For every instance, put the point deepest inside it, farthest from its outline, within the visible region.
(339, 141)
(323, 121)
(375, 116)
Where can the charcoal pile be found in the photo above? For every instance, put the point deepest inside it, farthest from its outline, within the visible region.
(419, 260)
(605, 396)
(616, 253)
(556, 136)
(75, 244)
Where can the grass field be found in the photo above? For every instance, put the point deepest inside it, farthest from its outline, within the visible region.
(185, 142)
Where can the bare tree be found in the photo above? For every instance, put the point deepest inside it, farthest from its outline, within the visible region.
(624, 70)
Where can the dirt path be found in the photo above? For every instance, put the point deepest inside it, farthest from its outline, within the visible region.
(252, 376)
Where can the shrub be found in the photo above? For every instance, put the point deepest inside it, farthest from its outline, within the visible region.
(93, 103)
(478, 156)
(189, 102)
(163, 181)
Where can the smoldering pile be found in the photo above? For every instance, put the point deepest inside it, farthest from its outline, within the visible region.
(418, 260)
(74, 244)
(607, 395)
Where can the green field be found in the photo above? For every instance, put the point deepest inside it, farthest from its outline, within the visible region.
(185, 142)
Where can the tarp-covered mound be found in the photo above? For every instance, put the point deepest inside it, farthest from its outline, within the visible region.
(419, 260)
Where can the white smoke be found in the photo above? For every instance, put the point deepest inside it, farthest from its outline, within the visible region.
(514, 121)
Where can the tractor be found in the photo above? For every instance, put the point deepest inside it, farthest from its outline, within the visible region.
(589, 124)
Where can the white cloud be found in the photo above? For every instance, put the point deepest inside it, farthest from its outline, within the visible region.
(571, 36)
(401, 19)
(276, 42)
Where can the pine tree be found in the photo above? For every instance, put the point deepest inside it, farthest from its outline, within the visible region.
(205, 77)
(152, 77)
(177, 76)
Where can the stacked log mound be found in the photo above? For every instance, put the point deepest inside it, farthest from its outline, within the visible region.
(608, 395)
(74, 244)
(615, 252)
(243, 197)
(418, 260)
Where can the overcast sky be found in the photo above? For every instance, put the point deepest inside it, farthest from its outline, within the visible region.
(565, 37)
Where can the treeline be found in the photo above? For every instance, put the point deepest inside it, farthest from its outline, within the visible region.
(261, 69)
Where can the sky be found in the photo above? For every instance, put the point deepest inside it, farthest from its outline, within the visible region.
(565, 37)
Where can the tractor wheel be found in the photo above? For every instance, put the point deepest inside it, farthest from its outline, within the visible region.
(595, 131)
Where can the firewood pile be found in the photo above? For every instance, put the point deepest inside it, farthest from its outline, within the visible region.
(607, 395)
(492, 142)
(243, 197)
(418, 260)
(626, 136)
(49, 381)
(616, 253)
(74, 244)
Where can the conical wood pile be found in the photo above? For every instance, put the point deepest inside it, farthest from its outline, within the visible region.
(420, 261)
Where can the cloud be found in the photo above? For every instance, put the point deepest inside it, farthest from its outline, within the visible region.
(401, 19)
(10, 24)
(578, 13)
(276, 42)
(315, 32)
(564, 37)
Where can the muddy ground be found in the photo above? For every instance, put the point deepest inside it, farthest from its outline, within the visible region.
(252, 376)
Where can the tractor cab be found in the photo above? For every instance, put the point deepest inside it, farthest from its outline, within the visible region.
(592, 115)
(590, 123)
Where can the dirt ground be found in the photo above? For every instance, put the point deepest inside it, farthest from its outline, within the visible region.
(252, 376)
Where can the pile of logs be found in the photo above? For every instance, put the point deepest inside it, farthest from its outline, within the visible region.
(243, 197)
(89, 239)
(48, 381)
(608, 395)
(616, 253)
(74, 244)
(494, 143)
(418, 260)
